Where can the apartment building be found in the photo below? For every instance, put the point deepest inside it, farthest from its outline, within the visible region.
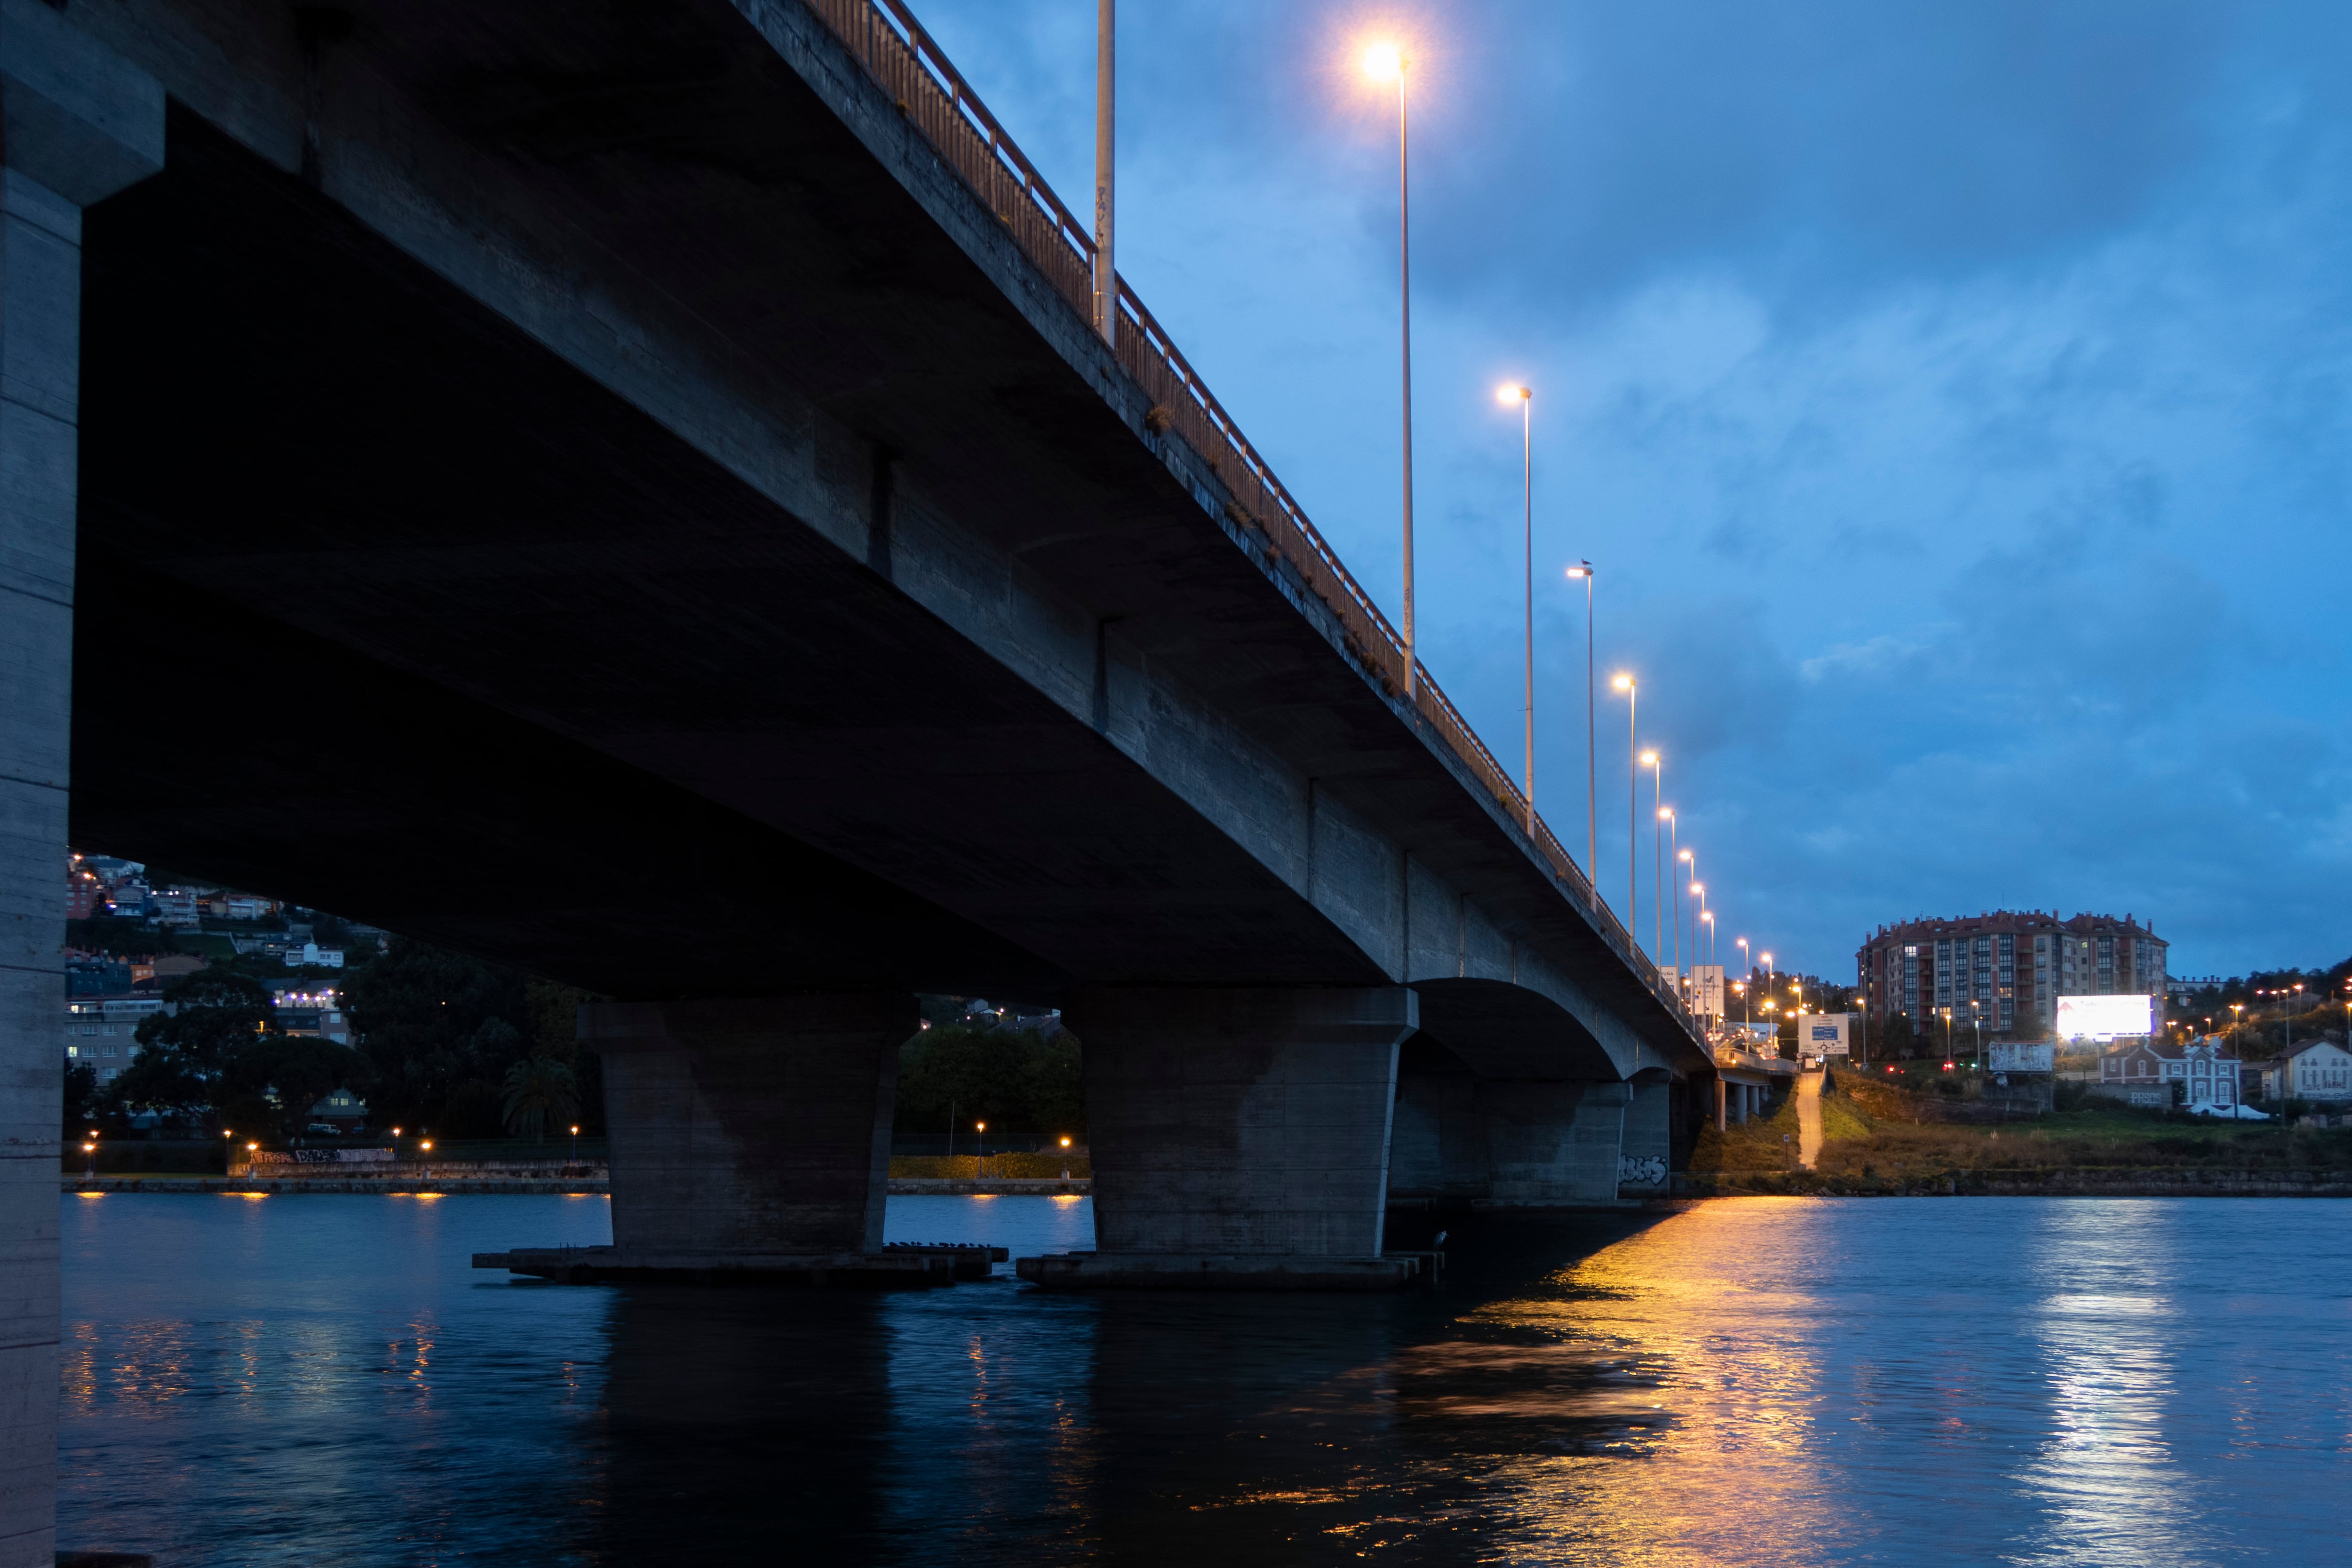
(2006, 968)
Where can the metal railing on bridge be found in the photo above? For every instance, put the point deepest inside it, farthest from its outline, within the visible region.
(929, 90)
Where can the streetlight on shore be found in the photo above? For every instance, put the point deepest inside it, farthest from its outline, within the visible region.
(576, 1145)
(1381, 61)
(1656, 764)
(1584, 569)
(90, 1167)
(1066, 1158)
(982, 1128)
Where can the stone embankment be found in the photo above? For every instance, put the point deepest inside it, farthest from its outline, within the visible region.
(382, 1187)
(992, 1186)
(2081, 1183)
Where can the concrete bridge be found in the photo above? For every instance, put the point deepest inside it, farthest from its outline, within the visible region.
(633, 492)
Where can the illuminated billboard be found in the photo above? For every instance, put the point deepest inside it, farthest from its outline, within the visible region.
(2103, 1018)
(1822, 1034)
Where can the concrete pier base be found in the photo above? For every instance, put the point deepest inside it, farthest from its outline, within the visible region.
(1240, 1138)
(911, 1267)
(750, 1134)
(1188, 1272)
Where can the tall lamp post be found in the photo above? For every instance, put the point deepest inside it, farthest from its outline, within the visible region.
(1383, 61)
(1525, 397)
(1746, 972)
(1106, 87)
(1632, 689)
(1584, 569)
(1656, 764)
(1682, 859)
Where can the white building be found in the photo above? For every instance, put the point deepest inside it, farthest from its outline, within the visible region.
(2146, 1072)
(2315, 1070)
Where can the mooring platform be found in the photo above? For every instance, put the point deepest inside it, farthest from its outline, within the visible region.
(1179, 1271)
(899, 1266)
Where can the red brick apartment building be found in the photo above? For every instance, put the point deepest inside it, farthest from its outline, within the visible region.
(2005, 967)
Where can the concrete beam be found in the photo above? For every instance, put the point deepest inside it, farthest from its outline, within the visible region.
(76, 123)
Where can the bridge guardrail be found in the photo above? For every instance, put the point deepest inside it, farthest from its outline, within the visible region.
(929, 90)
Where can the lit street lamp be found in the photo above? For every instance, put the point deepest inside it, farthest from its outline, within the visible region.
(1632, 689)
(90, 1167)
(1383, 61)
(1525, 397)
(1066, 1158)
(1652, 761)
(1591, 766)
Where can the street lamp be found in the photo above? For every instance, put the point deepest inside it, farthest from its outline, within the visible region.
(1632, 689)
(576, 1145)
(1682, 858)
(1591, 766)
(1381, 61)
(1525, 397)
(1066, 1158)
(90, 1167)
(982, 1126)
(1657, 767)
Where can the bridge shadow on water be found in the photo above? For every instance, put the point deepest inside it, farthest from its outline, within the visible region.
(996, 1423)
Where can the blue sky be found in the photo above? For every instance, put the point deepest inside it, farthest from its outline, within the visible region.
(1953, 396)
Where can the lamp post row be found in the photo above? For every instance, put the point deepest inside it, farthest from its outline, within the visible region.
(1383, 61)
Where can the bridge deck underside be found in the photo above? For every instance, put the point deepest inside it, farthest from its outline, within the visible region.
(528, 674)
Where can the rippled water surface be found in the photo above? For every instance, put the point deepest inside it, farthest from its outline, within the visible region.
(303, 1379)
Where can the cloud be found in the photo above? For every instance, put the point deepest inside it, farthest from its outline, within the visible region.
(1957, 398)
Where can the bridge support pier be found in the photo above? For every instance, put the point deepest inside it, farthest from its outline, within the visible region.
(1555, 1145)
(1648, 1150)
(1239, 1139)
(81, 123)
(749, 1140)
(1507, 1143)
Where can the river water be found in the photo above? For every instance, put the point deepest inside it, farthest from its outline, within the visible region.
(322, 1379)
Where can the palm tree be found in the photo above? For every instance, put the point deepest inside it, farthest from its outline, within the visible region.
(540, 1092)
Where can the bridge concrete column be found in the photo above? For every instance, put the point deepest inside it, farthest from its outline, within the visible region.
(746, 1134)
(78, 122)
(1555, 1144)
(1240, 1138)
(1648, 1152)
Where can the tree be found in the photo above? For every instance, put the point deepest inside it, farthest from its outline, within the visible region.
(440, 1030)
(81, 1093)
(540, 1093)
(221, 1054)
(1015, 1081)
(182, 1068)
(282, 1076)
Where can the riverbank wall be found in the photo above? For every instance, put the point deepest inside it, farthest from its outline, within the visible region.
(382, 1187)
(2060, 1183)
(457, 1185)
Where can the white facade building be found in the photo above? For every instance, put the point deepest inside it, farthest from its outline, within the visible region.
(2316, 1069)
